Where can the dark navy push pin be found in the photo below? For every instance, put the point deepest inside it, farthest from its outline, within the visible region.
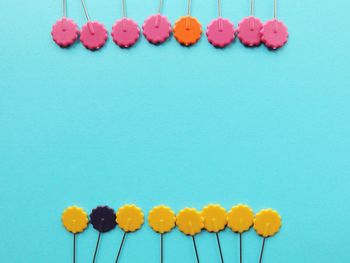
(102, 219)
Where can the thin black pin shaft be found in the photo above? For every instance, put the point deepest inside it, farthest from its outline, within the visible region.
(120, 248)
(240, 248)
(262, 250)
(195, 248)
(161, 248)
(219, 245)
(74, 247)
(97, 245)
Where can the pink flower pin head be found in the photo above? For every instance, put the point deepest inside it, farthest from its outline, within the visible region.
(93, 34)
(65, 31)
(249, 29)
(274, 34)
(157, 28)
(125, 31)
(220, 31)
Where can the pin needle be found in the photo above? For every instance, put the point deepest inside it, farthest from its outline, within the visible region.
(195, 248)
(219, 245)
(120, 248)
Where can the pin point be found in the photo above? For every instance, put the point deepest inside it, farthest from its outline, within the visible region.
(93, 34)
(266, 224)
(75, 220)
(125, 31)
(274, 33)
(220, 31)
(187, 30)
(65, 31)
(162, 220)
(129, 218)
(190, 222)
(249, 29)
(215, 220)
(240, 219)
(102, 219)
(157, 28)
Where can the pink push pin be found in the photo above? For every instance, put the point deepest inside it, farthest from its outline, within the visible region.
(65, 31)
(125, 31)
(93, 34)
(274, 33)
(249, 29)
(157, 28)
(220, 31)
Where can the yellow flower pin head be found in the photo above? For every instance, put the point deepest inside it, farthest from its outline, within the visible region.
(240, 218)
(162, 219)
(190, 221)
(129, 218)
(215, 218)
(75, 219)
(267, 222)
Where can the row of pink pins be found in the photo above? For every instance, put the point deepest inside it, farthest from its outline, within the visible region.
(157, 29)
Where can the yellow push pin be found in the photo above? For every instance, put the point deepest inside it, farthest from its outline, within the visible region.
(266, 224)
(240, 219)
(190, 222)
(129, 218)
(215, 220)
(75, 220)
(162, 220)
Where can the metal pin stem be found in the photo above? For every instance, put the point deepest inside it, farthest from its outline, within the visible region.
(252, 7)
(195, 248)
(161, 248)
(120, 247)
(160, 7)
(219, 245)
(64, 5)
(97, 245)
(189, 8)
(74, 247)
(275, 9)
(85, 10)
(262, 250)
(124, 8)
(219, 8)
(240, 248)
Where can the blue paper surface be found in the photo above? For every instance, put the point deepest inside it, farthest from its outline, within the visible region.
(174, 125)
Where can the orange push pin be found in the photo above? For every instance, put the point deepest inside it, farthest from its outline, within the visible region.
(187, 30)
(240, 219)
(130, 219)
(215, 220)
(75, 220)
(190, 222)
(266, 224)
(162, 220)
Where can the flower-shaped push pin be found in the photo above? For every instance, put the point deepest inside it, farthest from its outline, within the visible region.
(187, 30)
(125, 31)
(65, 31)
(249, 29)
(162, 220)
(190, 222)
(240, 219)
(93, 34)
(157, 28)
(75, 220)
(215, 220)
(102, 219)
(129, 218)
(220, 31)
(266, 224)
(274, 33)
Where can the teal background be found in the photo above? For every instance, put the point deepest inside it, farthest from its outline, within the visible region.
(174, 125)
